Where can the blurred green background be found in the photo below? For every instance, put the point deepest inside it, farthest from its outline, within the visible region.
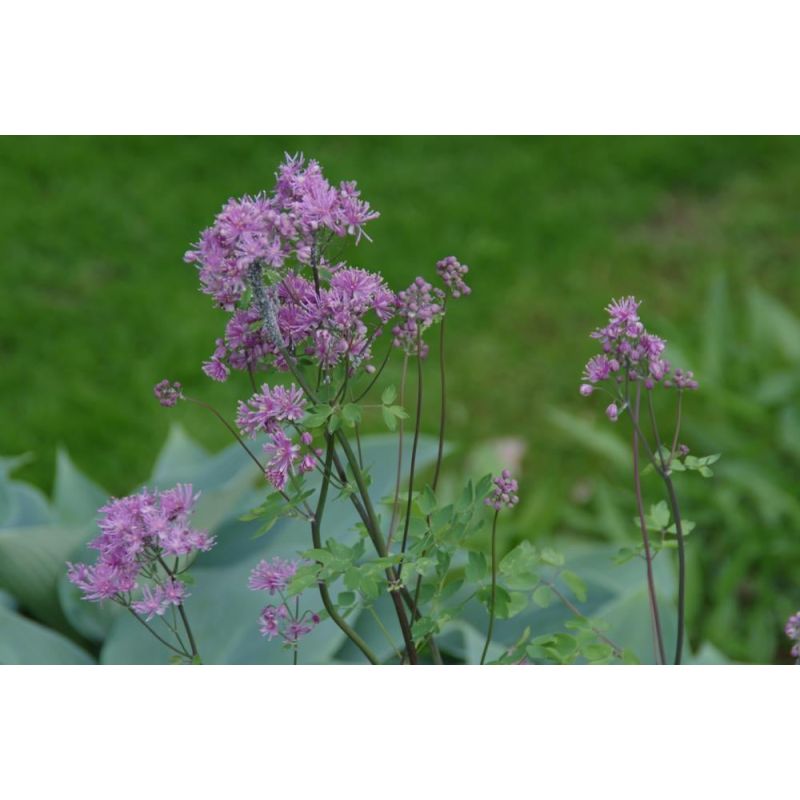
(99, 306)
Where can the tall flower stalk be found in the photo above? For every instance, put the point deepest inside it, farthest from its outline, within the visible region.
(632, 360)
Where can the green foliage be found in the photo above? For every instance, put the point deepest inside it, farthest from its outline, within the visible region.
(744, 556)
(37, 538)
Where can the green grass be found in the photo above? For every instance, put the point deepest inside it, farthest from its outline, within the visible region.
(97, 304)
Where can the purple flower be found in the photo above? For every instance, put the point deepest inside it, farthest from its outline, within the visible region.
(135, 533)
(286, 458)
(504, 492)
(267, 230)
(174, 592)
(272, 576)
(271, 617)
(270, 406)
(168, 393)
(624, 310)
(630, 354)
(152, 604)
(793, 632)
(452, 272)
(418, 307)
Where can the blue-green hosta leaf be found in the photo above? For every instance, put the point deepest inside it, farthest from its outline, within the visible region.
(23, 505)
(32, 561)
(25, 642)
(181, 455)
(20, 503)
(75, 497)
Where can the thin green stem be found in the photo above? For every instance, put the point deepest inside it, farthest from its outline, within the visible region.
(398, 477)
(230, 428)
(676, 513)
(163, 641)
(386, 633)
(182, 612)
(493, 596)
(651, 586)
(370, 517)
(296, 647)
(376, 375)
(415, 442)
(443, 406)
(674, 448)
(316, 538)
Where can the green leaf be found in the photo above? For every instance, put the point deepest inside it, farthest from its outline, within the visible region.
(398, 411)
(389, 395)
(422, 628)
(517, 602)
(75, 497)
(552, 557)
(346, 599)
(427, 501)
(543, 596)
(576, 585)
(625, 554)
(25, 642)
(599, 652)
(519, 565)
(389, 419)
(659, 515)
(465, 499)
(305, 577)
(477, 567)
(179, 456)
(687, 525)
(33, 560)
(352, 578)
(351, 414)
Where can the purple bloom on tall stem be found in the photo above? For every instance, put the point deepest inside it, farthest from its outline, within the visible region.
(134, 532)
(272, 576)
(452, 272)
(504, 493)
(630, 354)
(168, 393)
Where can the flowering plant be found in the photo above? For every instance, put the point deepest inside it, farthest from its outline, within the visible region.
(632, 361)
(311, 336)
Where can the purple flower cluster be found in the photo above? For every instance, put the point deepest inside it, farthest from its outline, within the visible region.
(272, 405)
(287, 457)
(251, 259)
(452, 272)
(136, 533)
(332, 325)
(793, 632)
(168, 393)
(271, 229)
(278, 619)
(630, 352)
(418, 307)
(266, 411)
(504, 492)
(272, 576)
